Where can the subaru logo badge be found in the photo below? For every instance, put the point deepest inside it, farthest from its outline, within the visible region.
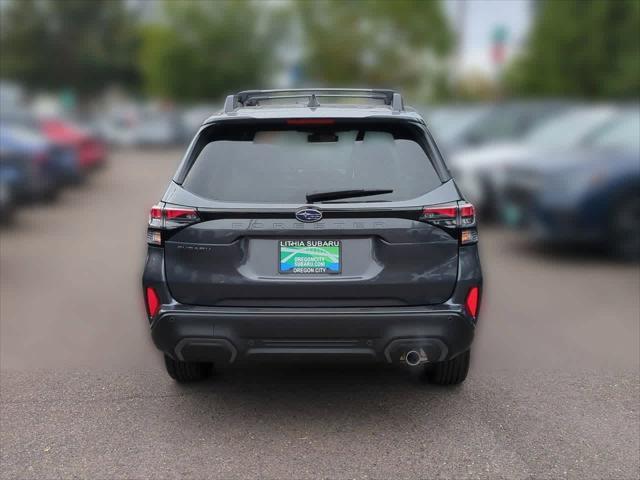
(309, 215)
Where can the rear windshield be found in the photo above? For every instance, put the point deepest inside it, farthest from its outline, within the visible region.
(283, 165)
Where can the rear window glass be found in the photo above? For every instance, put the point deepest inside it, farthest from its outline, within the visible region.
(275, 165)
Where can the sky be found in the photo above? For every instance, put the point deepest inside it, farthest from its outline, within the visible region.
(481, 18)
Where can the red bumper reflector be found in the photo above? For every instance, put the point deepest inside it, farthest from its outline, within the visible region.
(471, 303)
(153, 302)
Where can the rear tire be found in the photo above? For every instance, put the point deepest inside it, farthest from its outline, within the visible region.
(184, 372)
(450, 372)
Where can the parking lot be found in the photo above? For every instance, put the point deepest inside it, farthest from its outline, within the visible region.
(553, 392)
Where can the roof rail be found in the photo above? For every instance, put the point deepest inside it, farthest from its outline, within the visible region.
(397, 104)
(252, 98)
(230, 104)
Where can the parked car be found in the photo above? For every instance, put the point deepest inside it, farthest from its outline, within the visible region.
(86, 148)
(312, 231)
(139, 125)
(589, 195)
(61, 161)
(502, 122)
(480, 171)
(28, 154)
(158, 128)
(11, 179)
(450, 124)
(118, 125)
(91, 152)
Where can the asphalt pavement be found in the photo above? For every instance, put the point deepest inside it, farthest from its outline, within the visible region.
(553, 392)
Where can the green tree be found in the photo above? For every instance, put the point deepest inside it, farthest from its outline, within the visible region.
(205, 49)
(84, 45)
(396, 43)
(585, 48)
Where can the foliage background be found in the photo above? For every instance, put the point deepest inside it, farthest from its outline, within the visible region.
(583, 48)
(194, 50)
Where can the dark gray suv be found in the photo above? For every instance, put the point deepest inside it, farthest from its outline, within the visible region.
(313, 225)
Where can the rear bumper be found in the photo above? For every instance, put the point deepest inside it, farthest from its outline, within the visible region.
(230, 335)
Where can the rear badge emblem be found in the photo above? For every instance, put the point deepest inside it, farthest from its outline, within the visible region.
(309, 215)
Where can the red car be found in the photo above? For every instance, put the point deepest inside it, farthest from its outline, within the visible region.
(91, 151)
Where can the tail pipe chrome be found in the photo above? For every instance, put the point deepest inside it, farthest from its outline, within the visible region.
(413, 358)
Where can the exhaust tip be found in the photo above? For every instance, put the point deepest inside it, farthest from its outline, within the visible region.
(412, 358)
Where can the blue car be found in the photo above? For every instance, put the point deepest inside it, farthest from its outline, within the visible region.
(43, 166)
(591, 195)
(10, 180)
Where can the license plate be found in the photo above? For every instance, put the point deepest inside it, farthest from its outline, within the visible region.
(309, 256)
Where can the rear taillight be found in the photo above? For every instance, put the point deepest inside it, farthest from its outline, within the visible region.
(472, 302)
(444, 215)
(168, 217)
(152, 301)
(467, 214)
(155, 213)
(460, 215)
(179, 214)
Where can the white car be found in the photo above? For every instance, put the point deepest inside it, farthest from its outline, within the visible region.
(480, 171)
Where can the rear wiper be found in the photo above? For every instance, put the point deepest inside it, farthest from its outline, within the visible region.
(319, 197)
